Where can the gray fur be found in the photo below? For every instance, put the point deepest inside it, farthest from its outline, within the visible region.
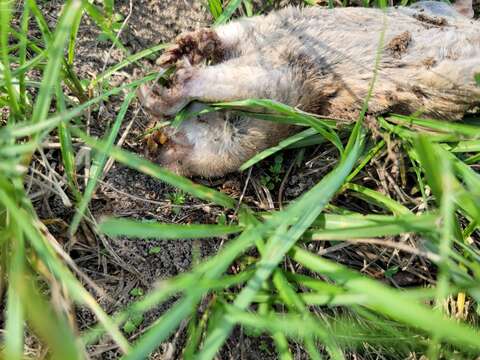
(318, 60)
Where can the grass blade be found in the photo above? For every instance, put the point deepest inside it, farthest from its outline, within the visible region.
(14, 327)
(48, 256)
(153, 230)
(301, 215)
(392, 303)
(377, 198)
(228, 12)
(281, 145)
(5, 16)
(321, 126)
(98, 164)
(55, 55)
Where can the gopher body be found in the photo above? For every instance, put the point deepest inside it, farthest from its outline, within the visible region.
(318, 60)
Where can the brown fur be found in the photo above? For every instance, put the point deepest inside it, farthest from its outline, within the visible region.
(318, 60)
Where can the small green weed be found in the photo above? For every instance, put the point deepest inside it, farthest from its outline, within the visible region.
(177, 199)
(273, 178)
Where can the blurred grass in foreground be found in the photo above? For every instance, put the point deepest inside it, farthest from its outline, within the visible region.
(327, 307)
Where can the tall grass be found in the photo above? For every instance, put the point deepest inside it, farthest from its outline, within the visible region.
(326, 307)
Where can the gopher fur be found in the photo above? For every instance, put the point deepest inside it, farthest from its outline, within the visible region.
(320, 61)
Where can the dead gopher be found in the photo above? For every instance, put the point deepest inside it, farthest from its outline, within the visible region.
(317, 60)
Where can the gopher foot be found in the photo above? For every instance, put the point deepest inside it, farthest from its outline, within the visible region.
(196, 46)
(161, 101)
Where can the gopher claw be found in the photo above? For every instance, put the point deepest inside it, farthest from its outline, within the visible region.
(196, 46)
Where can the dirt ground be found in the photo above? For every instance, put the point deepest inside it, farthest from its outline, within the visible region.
(120, 265)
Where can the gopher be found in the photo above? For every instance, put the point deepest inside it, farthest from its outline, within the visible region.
(318, 60)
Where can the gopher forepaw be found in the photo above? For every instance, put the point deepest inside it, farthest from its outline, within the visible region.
(196, 46)
(160, 101)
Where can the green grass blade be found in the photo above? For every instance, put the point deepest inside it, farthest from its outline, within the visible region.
(42, 23)
(430, 156)
(321, 126)
(366, 159)
(126, 62)
(22, 54)
(98, 164)
(55, 55)
(392, 303)
(109, 6)
(281, 343)
(215, 7)
(394, 226)
(447, 211)
(5, 17)
(73, 37)
(430, 161)
(467, 130)
(300, 215)
(228, 11)
(14, 327)
(153, 230)
(463, 146)
(281, 145)
(66, 147)
(377, 198)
